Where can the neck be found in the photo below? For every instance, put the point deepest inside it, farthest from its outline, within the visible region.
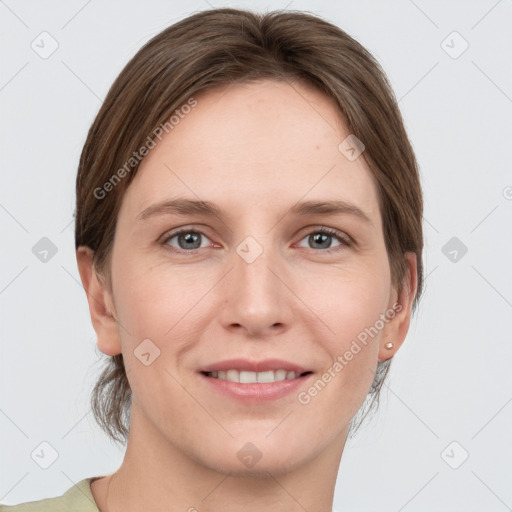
(155, 472)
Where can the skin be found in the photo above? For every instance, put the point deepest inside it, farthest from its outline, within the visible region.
(254, 149)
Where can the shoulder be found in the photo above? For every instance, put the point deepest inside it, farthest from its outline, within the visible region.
(77, 498)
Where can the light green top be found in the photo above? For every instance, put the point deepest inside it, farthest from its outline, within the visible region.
(77, 498)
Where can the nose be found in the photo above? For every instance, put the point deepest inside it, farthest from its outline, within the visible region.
(257, 301)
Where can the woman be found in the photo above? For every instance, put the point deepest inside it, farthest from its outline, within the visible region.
(248, 233)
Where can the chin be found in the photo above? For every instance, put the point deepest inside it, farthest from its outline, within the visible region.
(260, 470)
(257, 460)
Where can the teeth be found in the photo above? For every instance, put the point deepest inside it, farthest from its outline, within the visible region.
(246, 377)
(232, 375)
(280, 374)
(264, 376)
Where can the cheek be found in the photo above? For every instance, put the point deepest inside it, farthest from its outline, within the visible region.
(351, 349)
(351, 299)
(352, 306)
(151, 299)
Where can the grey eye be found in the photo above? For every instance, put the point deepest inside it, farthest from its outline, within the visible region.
(187, 240)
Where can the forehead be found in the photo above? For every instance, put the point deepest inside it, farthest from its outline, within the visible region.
(260, 144)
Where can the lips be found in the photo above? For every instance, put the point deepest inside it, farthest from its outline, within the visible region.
(255, 381)
(254, 366)
(248, 377)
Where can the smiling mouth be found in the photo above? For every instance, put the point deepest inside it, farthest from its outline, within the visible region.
(249, 377)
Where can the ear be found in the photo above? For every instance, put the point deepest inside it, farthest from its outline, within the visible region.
(101, 305)
(399, 312)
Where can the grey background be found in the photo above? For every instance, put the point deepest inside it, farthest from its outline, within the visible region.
(451, 381)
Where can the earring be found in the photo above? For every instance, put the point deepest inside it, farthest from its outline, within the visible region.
(388, 345)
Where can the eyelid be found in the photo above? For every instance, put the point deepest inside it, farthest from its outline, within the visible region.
(178, 231)
(344, 239)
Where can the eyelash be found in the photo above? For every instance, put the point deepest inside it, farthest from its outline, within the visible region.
(344, 239)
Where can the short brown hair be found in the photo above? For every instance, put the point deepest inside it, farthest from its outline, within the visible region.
(219, 47)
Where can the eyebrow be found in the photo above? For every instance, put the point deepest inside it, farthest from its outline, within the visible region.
(182, 206)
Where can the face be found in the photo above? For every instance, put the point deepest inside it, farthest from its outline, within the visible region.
(263, 289)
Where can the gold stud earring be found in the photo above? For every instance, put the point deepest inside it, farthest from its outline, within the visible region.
(388, 345)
